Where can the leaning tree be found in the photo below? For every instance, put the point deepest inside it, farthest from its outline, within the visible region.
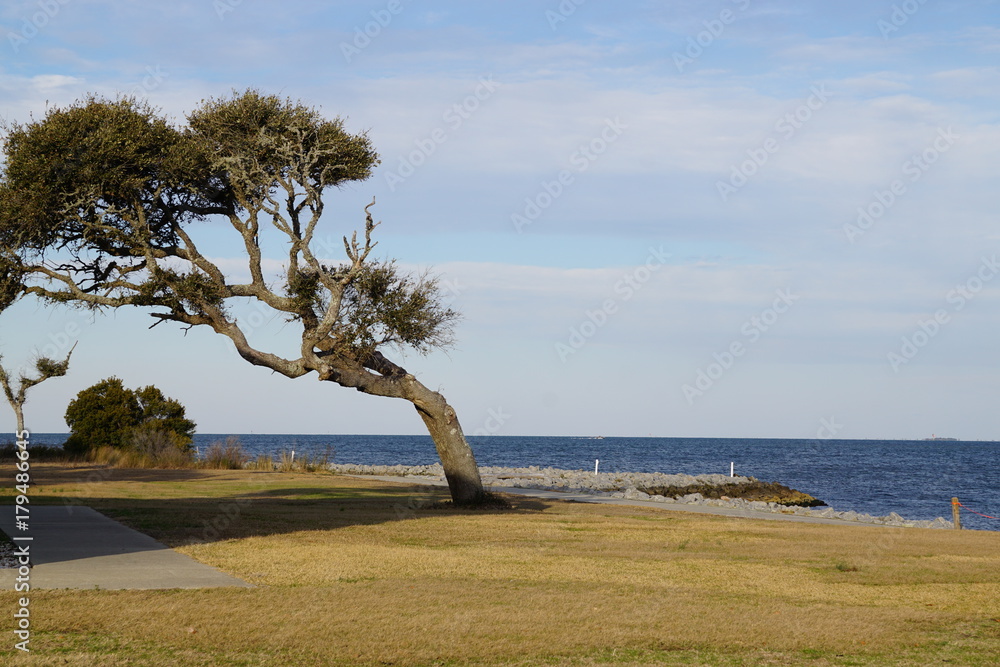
(99, 207)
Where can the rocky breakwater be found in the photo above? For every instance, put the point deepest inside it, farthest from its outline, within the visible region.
(708, 490)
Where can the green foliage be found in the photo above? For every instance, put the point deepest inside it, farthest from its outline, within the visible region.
(188, 292)
(383, 307)
(102, 416)
(164, 414)
(110, 415)
(254, 139)
(78, 178)
(306, 292)
(11, 280)
(50, 368)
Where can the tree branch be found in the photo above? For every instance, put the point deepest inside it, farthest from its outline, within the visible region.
(47, 368)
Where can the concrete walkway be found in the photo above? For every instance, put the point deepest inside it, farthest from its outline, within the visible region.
(77, 547)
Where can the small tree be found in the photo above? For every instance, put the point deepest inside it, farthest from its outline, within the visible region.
(97, 205)
(17, 395)
(11, 289)
(110, 415)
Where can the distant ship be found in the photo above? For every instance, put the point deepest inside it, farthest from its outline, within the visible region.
(940, 439)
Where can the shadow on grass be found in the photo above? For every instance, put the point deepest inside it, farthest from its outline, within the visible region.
(84, 473)
(183, 507)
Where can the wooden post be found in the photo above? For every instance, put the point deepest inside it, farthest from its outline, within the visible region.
(956, 513)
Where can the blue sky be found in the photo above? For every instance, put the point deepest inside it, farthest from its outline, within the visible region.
(720, 218)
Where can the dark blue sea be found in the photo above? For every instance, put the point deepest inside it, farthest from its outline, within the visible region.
(916, 479)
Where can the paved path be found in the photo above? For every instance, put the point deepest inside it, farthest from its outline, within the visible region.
(77, 547)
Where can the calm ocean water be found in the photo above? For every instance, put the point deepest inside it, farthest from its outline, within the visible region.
(916, 479)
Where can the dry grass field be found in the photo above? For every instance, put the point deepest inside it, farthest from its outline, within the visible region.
(351, 571)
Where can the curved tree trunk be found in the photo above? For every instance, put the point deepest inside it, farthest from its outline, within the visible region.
(457, 459)
(392, 381)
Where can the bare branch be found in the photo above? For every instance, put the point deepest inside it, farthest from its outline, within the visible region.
(191, 254)
(356, 254)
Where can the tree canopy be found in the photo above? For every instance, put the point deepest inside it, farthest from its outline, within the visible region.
(99, 205)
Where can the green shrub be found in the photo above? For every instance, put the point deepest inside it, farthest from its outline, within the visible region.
(101, 416)
(110, 415)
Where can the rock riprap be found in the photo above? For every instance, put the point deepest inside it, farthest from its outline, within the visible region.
(708, 490)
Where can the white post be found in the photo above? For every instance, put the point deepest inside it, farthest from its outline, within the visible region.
(732, 469)
(293, 456)
(597, 462)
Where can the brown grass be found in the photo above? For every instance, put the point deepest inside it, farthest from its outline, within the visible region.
(353, 571)
(130, 458)
(228, 455)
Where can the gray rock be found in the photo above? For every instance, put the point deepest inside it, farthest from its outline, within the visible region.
(624, 485)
